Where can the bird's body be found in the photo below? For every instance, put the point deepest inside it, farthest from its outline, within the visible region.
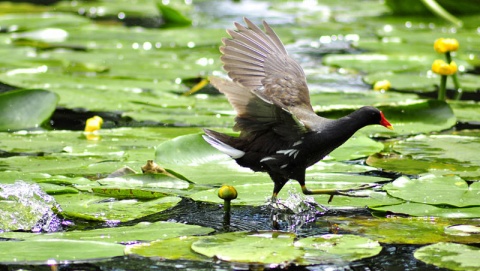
(279, 132)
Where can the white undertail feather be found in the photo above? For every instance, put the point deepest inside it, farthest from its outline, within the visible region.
(219, 145)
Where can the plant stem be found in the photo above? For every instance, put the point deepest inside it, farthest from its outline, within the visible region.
(443, 88)
(438, 10)
(456, 83)
(226, 214)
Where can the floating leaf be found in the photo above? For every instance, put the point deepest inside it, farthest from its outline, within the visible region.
(435, 190)
(438, 154)
(28, 108)
(58, 250)
(91, 207)
(173, 249)
(279, 248)
(378, 62)
(426, 210)
(335, 247)
(450, 255)
(260, 247)
(398, 230)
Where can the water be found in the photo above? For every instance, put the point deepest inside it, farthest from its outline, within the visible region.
(27, 207)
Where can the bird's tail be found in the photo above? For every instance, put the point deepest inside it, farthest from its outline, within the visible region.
(218, 141)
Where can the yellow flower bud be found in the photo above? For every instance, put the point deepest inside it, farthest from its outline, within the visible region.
(227, 192)
(443, 45)
(382, 85)
(441, 67)
(93, 124)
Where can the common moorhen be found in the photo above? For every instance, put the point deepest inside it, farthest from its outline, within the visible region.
(279, 132)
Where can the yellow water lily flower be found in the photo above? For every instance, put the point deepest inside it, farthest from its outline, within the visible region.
(382, 85)
(443, 68)
(443, 45)
(93, 124)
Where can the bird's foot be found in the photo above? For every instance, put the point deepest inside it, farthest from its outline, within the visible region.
(339, 192)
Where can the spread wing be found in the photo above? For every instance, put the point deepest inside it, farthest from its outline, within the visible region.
(255, 114)
(258, 60)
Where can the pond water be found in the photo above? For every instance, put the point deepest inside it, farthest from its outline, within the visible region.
(76, 201)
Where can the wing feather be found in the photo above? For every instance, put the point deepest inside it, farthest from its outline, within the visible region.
(258, 60)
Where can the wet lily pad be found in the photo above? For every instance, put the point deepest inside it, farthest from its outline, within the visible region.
(282, 249)
(58, 250)
(24, 109)
(427, 210)
(261, 247)
(436, 190)
(173, 249)
(143, 231)
(398, 230)
(450, 255)
(421, 82)
(337, 247)
(438, 154)
(378, 62)
(91, 207)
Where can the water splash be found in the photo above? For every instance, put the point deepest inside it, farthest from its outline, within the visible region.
(296, 211)
(27, 207)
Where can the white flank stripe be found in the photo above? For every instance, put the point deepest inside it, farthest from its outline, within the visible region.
(229, 150)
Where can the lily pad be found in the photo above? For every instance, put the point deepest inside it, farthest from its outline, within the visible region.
(427, 210)
(450, 255)
(257, 247)
(28, 108)
(173, 249)
(398, 230)
(438, 154)
(335, 247)
(422, 82)
(58, 250)
(436, 190)
(91, 207)
(378, 62)
(281, 248)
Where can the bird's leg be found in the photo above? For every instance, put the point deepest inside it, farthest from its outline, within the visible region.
(333, 192)
(279, 182)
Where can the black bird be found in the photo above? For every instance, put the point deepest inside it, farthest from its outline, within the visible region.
(279, 132)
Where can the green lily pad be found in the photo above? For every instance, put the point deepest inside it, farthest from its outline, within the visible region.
(435, 190)
(438, 154)
(259, 247)
(58, 250)
(466, 111)
(450, 255)
(91, 207)
(282, 249)
(143, 231)
(378, 62)
(141, 186)
(173, 249)
(335, 247)
(427, 210)
(398, 230)
(28, 108)
(422, 82)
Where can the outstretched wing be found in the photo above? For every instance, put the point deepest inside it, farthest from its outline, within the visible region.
(258, 60)
(255, 114)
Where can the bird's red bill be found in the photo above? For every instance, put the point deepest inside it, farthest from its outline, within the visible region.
(384, 122)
